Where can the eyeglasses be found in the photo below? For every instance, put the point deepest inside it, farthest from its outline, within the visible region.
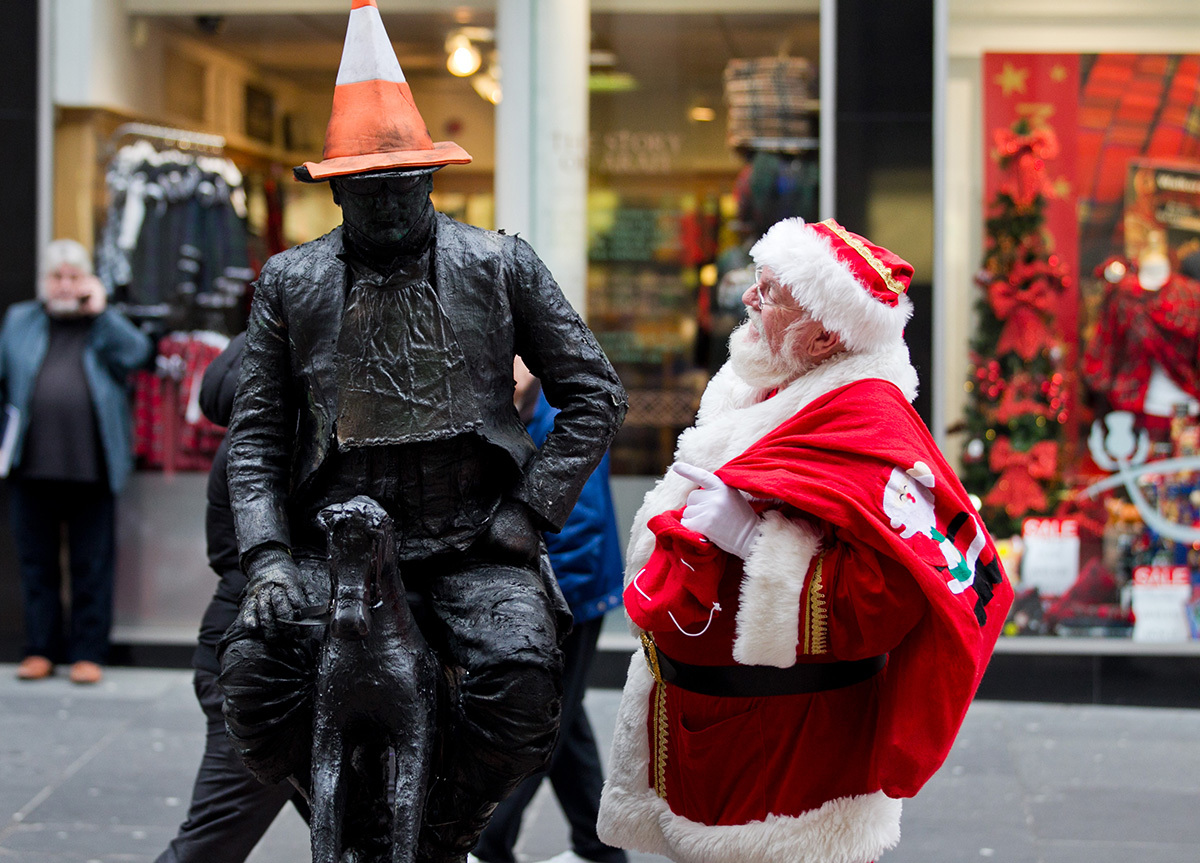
(761, 294)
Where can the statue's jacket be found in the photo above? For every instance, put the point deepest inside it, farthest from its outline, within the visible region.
(500, 300)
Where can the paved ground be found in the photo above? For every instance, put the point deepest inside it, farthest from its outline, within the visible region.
(104, 774)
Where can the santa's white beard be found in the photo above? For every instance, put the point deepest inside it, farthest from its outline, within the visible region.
(754, 362)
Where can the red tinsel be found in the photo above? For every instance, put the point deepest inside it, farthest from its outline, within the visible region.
(1017, 491)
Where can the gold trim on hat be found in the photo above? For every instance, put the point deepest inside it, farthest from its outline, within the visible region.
(876, 264)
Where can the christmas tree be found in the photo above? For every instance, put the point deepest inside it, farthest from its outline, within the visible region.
(1017, 400)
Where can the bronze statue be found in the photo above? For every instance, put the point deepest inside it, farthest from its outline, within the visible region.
(379, 363)
(376, 688)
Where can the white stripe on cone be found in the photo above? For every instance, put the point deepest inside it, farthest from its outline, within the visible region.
(368, 55)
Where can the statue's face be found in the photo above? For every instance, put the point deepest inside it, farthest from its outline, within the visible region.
(382, 209)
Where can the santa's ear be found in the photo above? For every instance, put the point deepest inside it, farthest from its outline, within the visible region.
(922, 474)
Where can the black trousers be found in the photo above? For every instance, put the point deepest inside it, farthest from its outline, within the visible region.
(39, 511)
(230, 809)
(574, 770)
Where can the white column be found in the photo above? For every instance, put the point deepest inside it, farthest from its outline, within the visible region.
(542, 133)
(938, 419)
(827, 156)
(45, 128)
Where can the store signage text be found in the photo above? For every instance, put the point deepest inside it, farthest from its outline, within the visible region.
(1050, 528)
(1162, 576)
(627, 152)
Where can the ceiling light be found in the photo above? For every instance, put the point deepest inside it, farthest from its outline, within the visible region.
(702, 114)
(487, 86)
(463, 58)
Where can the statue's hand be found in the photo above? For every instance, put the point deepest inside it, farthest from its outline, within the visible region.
(513, 535)
(274, 591)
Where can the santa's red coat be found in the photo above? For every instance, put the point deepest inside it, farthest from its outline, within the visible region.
(812, 777)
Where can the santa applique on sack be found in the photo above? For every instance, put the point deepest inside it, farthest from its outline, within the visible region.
(908, 502)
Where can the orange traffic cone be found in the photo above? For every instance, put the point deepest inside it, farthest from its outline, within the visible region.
(375, 125)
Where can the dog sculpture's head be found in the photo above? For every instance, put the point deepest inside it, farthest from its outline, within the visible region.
(358, 534)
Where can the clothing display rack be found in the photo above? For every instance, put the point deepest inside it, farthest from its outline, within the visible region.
(173, 251)
(180, 138)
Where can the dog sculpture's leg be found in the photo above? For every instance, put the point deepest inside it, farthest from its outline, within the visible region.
(330, 769)
(413, 746)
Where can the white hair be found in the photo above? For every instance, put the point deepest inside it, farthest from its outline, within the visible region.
(61, 252)
(755, 362)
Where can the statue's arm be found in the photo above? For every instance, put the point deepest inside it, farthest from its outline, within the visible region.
(577, 379)
(263, 427)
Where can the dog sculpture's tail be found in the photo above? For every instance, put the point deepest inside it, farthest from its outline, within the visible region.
(374, 722)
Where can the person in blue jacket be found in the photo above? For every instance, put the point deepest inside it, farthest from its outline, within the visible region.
(66, 449)
(586, 558)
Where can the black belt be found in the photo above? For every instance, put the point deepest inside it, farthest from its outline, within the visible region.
(752, 681)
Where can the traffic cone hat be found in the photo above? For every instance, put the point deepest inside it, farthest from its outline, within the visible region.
(375, 125)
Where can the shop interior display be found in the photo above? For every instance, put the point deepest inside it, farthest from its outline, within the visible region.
(173, 250)
(1017, 380)
(173, 254)
(1084, 387)
(667, 272)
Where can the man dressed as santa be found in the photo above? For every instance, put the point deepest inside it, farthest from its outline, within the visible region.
(816, 597)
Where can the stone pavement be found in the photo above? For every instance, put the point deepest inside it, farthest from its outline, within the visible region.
(104, 774)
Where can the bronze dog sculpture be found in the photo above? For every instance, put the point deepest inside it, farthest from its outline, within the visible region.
(375, 700)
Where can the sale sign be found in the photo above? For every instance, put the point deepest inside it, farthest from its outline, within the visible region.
(1160, 598)
(1051, 558)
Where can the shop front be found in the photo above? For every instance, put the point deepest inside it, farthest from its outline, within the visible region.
(1069, 236)
(641, 171)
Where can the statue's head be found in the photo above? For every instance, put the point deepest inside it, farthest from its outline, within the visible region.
(384, 206)
(375, 130)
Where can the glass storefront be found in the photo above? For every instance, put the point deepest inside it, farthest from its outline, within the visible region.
(676, 192)
(1076, 417)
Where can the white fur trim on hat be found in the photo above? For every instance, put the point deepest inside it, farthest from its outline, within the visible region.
(806, 263)
(768, 615)
(846, 830)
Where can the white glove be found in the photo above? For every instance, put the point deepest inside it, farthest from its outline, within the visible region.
(718, 511)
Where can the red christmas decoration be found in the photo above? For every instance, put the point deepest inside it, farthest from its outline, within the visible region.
(1017, 491)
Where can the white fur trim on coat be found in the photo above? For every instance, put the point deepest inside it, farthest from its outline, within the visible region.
(734, 415)
(806, 262)
(768, 616)
(846, 830)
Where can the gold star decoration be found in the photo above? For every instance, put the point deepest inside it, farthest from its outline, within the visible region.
(1058, 74)
(1011, 80)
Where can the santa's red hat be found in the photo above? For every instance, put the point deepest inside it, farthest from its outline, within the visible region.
(375, 125)
(852, 286)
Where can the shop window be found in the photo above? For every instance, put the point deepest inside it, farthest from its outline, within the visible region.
(703, 133)
(1081, 425)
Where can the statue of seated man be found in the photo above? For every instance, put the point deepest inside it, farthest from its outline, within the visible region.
(379, 362)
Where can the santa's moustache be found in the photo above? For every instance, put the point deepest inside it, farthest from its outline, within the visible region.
(756, 363)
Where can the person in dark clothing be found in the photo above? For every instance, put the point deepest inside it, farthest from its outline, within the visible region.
(66, 450)
(230, 809)
(586, 557)
(379, 363)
